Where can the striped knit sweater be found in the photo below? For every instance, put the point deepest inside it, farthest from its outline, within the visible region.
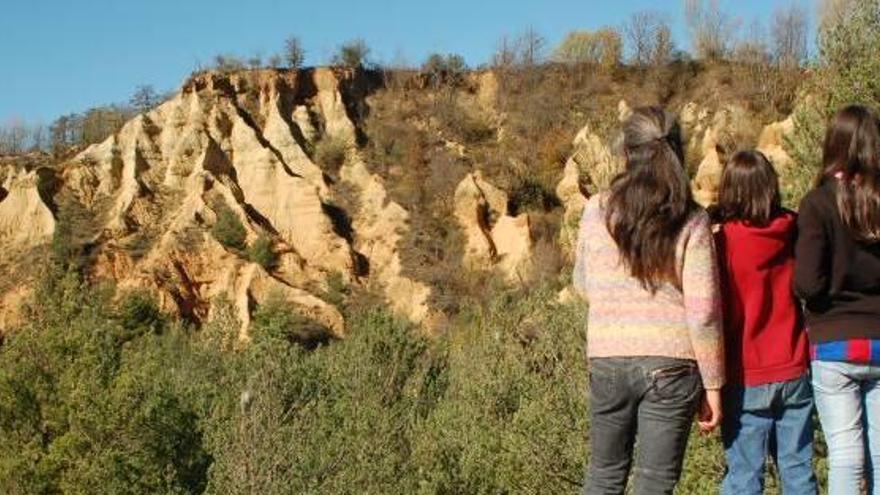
(626, 319)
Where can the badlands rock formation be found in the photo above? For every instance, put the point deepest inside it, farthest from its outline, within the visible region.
(493, 237)
(713, 139)
(25, 217)
(593, 163)
(771, 142)
(240, 142)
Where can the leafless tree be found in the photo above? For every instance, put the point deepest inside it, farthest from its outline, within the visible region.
(505, 54)
(144, 98)
(711, 28)
(294, 54)
(752, 48)
(642, 31)
(531, 47)
(13, 136)
(789, 30)
(663, 47)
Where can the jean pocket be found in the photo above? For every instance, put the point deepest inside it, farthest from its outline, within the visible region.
(675, 383)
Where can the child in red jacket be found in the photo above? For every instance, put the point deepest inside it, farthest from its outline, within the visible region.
(768, 401)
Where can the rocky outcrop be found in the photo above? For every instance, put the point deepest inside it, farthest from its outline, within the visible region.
(26, 220)
(593, 164)
(712, 136)
(493, 238)
(380, 224)
(771, 142)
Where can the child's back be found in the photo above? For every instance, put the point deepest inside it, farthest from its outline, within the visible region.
(767, 399)
(765, 338)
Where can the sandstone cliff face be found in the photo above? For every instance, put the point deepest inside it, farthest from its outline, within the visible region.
(244, 140)
(494, 239)
(26, 219)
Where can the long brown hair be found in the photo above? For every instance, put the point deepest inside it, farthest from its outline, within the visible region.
(650, 201)
(852, 153)
(749, 190)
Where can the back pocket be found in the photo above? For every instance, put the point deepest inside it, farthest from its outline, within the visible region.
(675, 383)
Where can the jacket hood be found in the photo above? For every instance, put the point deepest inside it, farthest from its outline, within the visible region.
(761, 244)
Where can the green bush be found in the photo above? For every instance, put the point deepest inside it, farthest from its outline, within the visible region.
(497, 404)
(228, 229)
(330, 154)
(260, 252)
(138, 313)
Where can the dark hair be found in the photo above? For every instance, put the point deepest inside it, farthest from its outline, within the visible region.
(749, 190)
(650, 201)
(852, 152)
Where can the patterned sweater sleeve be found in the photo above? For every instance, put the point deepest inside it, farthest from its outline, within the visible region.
(587, 223)
(702, 302)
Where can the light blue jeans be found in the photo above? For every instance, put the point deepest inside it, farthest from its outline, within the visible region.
(775, 420)
(848, 400)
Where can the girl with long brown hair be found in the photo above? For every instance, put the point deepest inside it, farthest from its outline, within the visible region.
(645, 261)
(837, 274)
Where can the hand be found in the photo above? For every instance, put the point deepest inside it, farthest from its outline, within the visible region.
(709, 416)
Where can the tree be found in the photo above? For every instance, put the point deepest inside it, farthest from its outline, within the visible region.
(602, 47)
(664, 47)
(789, 29)
(144, 98)
(646, 31)
(849, 41)
(255, 61)
(352, 54)
(711, 28)
(531, 47)
(13, 136)
(752, 49)
(294, 54)
(505, 54)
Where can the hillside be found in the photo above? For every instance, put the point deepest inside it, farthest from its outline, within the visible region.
(417, 191)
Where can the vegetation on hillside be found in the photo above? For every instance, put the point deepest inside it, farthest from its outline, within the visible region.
(849, 40)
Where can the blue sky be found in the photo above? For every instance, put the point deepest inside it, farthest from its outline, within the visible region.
(62, 56)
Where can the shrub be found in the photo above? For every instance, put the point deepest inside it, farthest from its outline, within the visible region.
(228, 63)
(139, 313)
(330, 153)
(337, 291)
(260, 252)
(228, 229)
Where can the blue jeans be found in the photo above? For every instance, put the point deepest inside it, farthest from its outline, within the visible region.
(848, 401)
(645, 404)
(768, 420)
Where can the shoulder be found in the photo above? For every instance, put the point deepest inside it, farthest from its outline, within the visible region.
(819, 198)
(594, 210)
(699, 222)
(597, 201)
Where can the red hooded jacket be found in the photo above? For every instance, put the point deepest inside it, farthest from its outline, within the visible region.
(763, 325)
